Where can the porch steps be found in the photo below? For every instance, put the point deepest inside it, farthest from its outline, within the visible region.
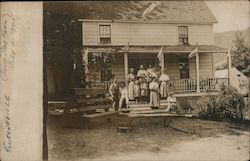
(146, 109)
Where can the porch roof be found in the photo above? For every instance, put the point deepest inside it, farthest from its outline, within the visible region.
(156, 49)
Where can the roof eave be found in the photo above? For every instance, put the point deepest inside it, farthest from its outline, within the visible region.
(140, 21)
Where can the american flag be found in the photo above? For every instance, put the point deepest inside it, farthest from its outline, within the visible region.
(193, 53)
(160, 56)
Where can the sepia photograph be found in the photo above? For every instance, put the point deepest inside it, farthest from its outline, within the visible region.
(126, 80)
(147, 80)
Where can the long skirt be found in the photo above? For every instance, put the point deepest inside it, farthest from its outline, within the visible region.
(131, 91)
(115, 103)
(164, 89)
(154, 99)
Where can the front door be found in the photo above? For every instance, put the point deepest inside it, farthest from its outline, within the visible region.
(184, 68)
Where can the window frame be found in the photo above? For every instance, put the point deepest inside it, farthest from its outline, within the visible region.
(99, 33)
(183, 36)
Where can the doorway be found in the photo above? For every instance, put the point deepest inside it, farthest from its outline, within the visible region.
(184, 67)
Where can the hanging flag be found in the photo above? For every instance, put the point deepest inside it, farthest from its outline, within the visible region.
(85, 57)
(160, 56)
(151, 7)
(193, 53)
(74, 66)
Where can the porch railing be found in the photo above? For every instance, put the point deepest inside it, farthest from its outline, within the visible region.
(98, 84)
(178, 85)
(190, 85)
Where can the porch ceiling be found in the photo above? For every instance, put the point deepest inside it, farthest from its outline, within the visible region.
(156, 49)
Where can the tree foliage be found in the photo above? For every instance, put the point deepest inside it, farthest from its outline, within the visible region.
(62, 41)
(227, 105)
(241, 55)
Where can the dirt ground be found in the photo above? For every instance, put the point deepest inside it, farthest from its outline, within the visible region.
(150, 140)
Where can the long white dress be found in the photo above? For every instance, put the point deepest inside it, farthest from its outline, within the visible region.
(131, 78)
(164, 78)
(154, 94)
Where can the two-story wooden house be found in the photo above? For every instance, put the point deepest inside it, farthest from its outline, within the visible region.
(142, 28)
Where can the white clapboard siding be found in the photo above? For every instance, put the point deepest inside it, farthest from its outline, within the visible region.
(90, 33)
(192, 68)
(118, 68)
(143, 34)
(172, 66)
(201, 34)
(206, 66)
(146, 34)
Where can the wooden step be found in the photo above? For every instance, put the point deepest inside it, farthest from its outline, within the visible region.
(159, 115)
(93, 100)
(102, 114)
(149, 111)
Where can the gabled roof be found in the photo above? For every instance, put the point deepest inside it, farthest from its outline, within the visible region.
(165, 11)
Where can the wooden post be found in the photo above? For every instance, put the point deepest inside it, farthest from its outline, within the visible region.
(197, 72)
(86, 67)
(126, 68)
(86, 72)
(229, 66)
(162, 63)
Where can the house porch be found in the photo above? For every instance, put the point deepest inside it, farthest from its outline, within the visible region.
(184, 72)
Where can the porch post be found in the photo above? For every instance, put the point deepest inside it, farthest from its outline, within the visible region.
(86, 72)
(197, 72)
(162, 62)
(126, 68)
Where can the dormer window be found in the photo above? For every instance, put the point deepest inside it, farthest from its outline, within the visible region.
(105, 34)
(183, 35)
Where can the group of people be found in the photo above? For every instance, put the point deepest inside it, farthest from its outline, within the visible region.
(147, 86)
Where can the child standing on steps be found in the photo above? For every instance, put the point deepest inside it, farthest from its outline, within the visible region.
(144, 91)
(137, 92)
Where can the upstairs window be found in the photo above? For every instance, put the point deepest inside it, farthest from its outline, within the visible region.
(105, 34)
(183, 35)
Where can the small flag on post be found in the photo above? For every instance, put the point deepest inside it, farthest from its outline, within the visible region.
(160, 56)
(85, 57)
(193, 53)
(126, 47)
(229, 65)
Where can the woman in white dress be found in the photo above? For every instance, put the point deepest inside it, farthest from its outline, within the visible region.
(131, 78)
(164, 79)
(154, 94)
